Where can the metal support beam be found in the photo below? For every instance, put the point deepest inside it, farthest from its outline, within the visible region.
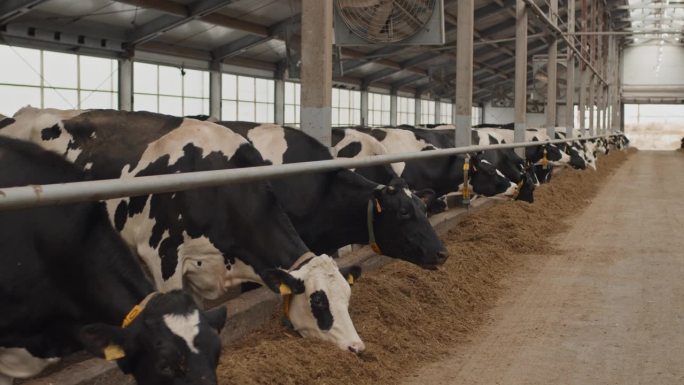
(316, 73)
(364, 107)
(126, 84)
(418, 109)
(558, 32)
(393, 109)
(464, 71)
(239, 46)
(592, 104)
(11, 9)
(215, 78)
(520, 73)
(279, 100)
(551, 105)
(570, 73)
(165, 23)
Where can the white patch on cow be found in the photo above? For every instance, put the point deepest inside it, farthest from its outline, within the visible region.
(269, 139)
(210, 137)
(408, 193)
(19, 363)
(369, 147)
(322, 273)
(88, 166)
(185, 326)
(30, 122)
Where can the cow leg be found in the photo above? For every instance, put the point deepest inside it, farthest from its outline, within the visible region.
(4, 380)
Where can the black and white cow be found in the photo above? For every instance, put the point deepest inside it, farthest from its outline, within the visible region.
(444, 175)
(68, 281)
(352, 143)
(205, 239)
(330, 210)
(506, 161)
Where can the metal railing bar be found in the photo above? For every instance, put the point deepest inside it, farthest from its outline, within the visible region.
(63, 193)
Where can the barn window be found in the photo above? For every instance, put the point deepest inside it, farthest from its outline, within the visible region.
(406, 111)
(47, 79)
(346, 107)
(378, 109)
(292, 104)
(445, 113)
(248, 98)
(427, 111)
(170, 90)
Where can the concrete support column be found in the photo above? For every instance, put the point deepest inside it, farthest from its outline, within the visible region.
(316, 69)
(570, 91)
(279, 100)
(364, 107)
(615, 120)
(592, 104)
(126, 84)
(393, 109)
(584, 74)
(419, 108)
(551, 105)
(453, 113)
(464, 71)
(215, 91)
(520, 74)
(438, 111)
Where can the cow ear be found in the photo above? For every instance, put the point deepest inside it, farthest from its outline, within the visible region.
(104, 341)
(216, 318)
(282, 282)
(351, 273)
(426, 195)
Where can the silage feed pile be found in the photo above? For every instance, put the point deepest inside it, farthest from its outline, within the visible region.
(408, 316)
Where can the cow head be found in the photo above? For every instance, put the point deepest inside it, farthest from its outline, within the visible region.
(528, 183)
(589, 153)
(576, 159)
(170, 342)
(401, 226)
(486, 180)
(317, 297)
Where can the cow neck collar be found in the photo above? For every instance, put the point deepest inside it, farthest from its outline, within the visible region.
(137, 309)
(300, 261)
(371, 207)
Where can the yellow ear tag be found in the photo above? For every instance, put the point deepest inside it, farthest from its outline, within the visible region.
(284, 289)
(113, 352)
(350, 279)
(131, 316)
(378, 208)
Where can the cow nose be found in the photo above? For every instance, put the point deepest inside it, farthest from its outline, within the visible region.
(442, 257)
(357, 347)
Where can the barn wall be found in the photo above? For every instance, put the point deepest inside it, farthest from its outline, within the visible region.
(501, 115)
(644, 82)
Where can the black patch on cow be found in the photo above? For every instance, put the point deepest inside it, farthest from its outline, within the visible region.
(168, 251)
(120, 215)
(379, 135)
(136, 205)
(6, 122)
(50, 133)
(350, 150)
(320, 307)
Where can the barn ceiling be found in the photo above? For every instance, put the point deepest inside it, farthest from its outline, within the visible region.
(258, 33)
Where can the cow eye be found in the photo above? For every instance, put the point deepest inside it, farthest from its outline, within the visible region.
(404, 212)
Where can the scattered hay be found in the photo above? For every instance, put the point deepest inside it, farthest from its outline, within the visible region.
(408, 316)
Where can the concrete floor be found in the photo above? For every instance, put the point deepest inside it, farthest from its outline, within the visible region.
(609, 309)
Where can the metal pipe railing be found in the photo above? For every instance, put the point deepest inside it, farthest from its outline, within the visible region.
(557, 31)
(62, 193)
